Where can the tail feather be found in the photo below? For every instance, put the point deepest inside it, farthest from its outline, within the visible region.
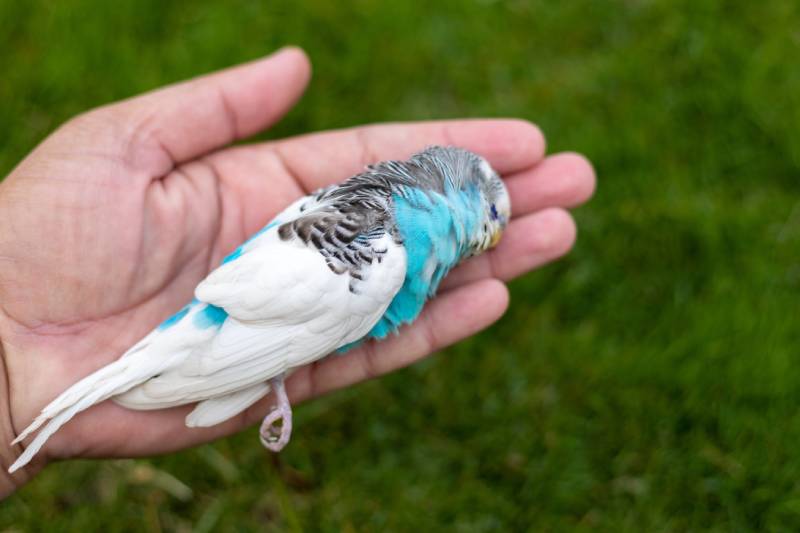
(109, 381)
(54, 423)
(74, 393)
(69, 397)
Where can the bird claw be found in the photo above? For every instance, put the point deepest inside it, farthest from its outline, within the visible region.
(273, 437)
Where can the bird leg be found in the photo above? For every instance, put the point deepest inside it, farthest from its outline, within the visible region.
(274, 438)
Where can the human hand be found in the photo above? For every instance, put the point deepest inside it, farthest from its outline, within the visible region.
(112, 221)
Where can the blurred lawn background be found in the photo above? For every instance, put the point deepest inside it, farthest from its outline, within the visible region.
(649, 382)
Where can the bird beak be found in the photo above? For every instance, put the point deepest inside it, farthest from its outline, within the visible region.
(496, 238)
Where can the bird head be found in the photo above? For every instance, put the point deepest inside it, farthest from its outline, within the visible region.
(452, 170)
(496, 206)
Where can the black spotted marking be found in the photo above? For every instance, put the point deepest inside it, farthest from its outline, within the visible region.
(344, 222)
(285, 231)
(345, 236)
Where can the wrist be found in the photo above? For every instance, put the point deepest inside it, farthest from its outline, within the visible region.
(8, 452)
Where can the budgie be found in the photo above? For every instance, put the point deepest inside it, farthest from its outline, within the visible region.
(348, 263)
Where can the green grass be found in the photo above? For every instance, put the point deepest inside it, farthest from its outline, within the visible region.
(649, 382)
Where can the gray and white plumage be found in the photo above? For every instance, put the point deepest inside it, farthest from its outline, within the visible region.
(345, 264)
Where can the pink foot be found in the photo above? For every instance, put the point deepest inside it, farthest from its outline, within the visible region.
(274, 438)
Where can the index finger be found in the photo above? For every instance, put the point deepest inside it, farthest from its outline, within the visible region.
(319, 159)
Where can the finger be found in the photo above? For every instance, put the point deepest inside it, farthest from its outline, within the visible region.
(560, 180)
(188, 119)
(528, 242)
(320, 159)
(452, 316)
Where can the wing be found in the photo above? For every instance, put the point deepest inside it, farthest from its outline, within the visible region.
(286, 306)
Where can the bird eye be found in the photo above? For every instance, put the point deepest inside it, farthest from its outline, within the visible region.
(493, 212)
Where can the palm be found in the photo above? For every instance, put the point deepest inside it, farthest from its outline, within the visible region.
(113, 227)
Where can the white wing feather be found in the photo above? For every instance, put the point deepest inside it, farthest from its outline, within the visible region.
(286, 309)
(215, 410)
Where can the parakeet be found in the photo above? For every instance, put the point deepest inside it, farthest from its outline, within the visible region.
(351, 262)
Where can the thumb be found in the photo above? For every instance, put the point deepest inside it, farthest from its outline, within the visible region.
(155, 131)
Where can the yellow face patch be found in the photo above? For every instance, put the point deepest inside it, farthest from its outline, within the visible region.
(496, 238)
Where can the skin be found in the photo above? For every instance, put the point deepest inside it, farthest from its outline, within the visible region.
(112, 220)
